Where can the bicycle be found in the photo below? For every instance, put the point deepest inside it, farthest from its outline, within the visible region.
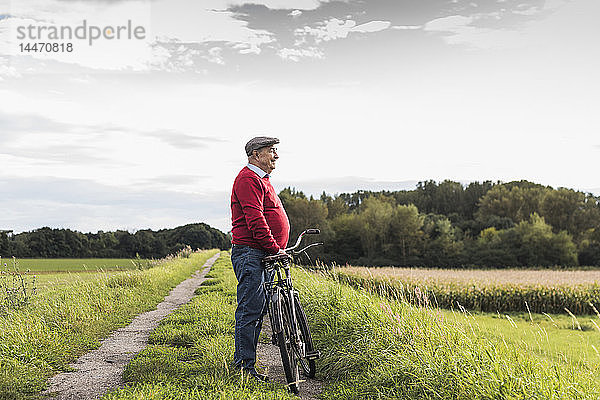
(288, 320)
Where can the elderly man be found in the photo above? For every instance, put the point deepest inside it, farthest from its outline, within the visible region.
(260, 227)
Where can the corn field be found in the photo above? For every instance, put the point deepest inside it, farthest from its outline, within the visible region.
(545, 296)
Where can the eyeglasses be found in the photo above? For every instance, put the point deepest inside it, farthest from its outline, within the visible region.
(272, 150)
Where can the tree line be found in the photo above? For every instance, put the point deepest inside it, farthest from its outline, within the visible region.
(65, 243)
(448, 224)
(445, 224)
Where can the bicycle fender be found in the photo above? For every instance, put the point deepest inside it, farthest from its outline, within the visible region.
(276, 310)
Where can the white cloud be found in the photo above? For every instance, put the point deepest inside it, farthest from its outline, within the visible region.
(335, 28)
(89, 206)
(215, 55)
(578, 17)
(555, 4)
(249, 49)
(196, 22)
(297, 54)
(6, 70)
(329, 30)
(458, 29)
(373, 26)
(348, 184)
(185, 21)
(452, 24)
(406, 27)
(530, 101)
(281, 4)
(526, 10)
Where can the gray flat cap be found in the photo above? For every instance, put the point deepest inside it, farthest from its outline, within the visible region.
(260, 142)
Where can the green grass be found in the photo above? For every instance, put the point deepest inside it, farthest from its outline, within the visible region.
(190, 353)
(372, 348)
(378, 348)
(46, 282)
(48, 265)
(51, 281)
(68, 320)
(557, 337)
(560, 338)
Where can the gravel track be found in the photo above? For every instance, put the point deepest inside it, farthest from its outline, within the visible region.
(269, 358)
(100, 370)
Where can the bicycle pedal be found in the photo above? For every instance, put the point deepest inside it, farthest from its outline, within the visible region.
(313, 355)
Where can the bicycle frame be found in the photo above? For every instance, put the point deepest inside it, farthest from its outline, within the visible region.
(288, 320)
(285, 283)
(274, 287)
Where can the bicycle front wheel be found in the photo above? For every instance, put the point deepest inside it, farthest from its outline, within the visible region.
(308, 365)
(285, 343)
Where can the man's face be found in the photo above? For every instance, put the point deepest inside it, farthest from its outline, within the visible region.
(266, 158)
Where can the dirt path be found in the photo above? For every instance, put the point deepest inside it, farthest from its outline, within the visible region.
(269, 358)
(100, 371)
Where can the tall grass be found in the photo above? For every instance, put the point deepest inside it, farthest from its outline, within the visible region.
(190, 354)
(375, 348)
(48, 265)
(487, 297)
(66, 321)
(16, 287)
(372, 348)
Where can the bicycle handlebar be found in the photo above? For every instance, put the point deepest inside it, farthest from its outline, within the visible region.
(290, 250)
(307, 247)
(306, 232)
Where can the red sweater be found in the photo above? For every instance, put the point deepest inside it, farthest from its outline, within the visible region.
(257, 215)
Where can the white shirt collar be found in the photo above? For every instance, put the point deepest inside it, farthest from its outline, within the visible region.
(257, 170)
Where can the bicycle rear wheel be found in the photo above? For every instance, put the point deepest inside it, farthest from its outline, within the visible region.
(307, 364)
(284, 341)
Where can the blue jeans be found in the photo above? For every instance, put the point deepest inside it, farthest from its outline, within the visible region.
(252, 303)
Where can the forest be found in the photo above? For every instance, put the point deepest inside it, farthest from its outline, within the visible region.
(438, 224)
(65, 243)
(449, 224)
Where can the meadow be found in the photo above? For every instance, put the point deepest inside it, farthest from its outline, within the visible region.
(50, 281)
(562, 338)
(66, 320)
(44, 273)
(559, 338)
(53, 265)
(372, 347)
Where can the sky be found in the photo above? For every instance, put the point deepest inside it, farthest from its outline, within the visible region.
(147, 130)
